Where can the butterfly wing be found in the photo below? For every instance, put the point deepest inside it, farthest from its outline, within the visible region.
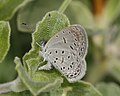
(66, 51)
(75, 36)
(68, 64)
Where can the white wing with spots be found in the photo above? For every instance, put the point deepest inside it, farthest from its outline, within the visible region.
(66, 51)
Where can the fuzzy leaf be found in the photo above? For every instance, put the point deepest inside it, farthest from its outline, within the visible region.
(4, 39)
(24, 93)
(9, 7)
(80, 88)
(45, 80)
(38, 8)
(52, 23)
(110, 89)
(44, 83)
(15, 86)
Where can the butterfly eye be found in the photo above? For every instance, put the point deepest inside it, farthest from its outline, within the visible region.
(42, 42)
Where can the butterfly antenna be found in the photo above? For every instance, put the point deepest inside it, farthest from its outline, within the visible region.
(38, 44)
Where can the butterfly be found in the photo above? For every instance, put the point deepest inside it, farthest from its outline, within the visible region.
(66, 51)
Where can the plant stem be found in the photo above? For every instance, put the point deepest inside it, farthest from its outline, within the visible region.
(64, 5)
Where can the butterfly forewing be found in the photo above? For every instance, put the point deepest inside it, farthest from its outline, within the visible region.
(74, 37)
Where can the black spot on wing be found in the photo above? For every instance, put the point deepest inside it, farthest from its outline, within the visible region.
(64, 40)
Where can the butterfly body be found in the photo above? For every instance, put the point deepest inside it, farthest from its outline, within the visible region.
(66, 51)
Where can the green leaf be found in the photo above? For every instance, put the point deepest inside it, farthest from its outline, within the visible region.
(15, 86)
(7, 69)
(80, 88)
(38, 8)
(79, 13)
(24, 93)
(45, 82)
(111, 11)
(52, 23)
(109, 89)
(4, 39)
(9, 7)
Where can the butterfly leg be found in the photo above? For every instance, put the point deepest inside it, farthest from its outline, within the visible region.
(47, 66)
